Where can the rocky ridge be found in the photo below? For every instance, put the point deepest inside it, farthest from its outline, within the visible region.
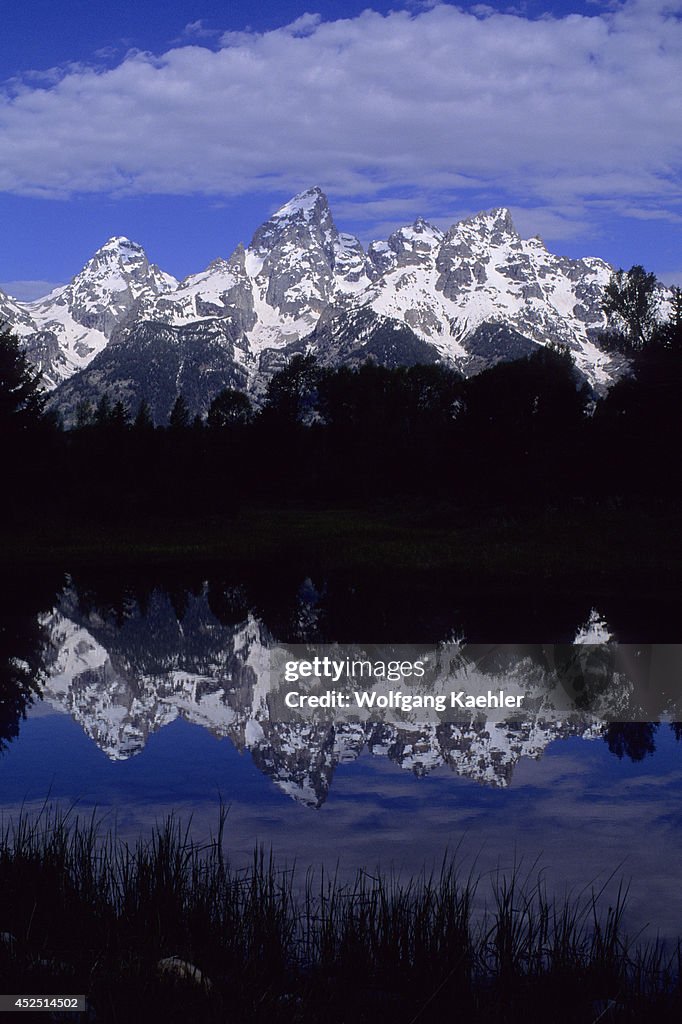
(65, 330)
(467, 297)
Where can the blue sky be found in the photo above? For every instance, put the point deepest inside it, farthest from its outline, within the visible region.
(184, 124)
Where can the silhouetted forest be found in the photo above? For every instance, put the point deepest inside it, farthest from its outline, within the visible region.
(528, 432)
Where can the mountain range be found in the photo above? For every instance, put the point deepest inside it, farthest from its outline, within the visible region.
(467, 297)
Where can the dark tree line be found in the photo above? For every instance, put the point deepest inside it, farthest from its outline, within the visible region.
(29, 437)
(526, 431)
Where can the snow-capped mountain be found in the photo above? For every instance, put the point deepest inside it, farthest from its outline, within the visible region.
(66, 329)
(13, 312)
(482, 272)
(468, 297)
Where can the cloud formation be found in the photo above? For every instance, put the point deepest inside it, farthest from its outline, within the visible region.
(25, 291)
(559, 113)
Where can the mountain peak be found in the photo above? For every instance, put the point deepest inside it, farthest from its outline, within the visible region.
(120, 244)
(497, 220)
(304, 203)
(424, 230)
(421, 225)
(120, 263)
(446, 289)
(303, 221)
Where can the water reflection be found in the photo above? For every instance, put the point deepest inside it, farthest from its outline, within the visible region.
(154, 700)
(125, 661)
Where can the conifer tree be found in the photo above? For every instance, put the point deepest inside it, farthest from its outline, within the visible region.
(179, 416)
(22, 400)
(103, 411)
(84, 414)
(143, 418)
(29, 449)
(119, 419)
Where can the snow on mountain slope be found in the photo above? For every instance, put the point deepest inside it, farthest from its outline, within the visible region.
(443, 293)
(481, 271)
(275, 290)
(299, 264)
(13, 312)
(82, 315)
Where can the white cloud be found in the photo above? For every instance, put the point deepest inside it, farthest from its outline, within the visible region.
(25, 291)
(197, 30)
(303, 26)
(556, 223)
(557, 114)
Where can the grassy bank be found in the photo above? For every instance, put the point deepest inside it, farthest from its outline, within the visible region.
(169, 931)
(612, 541)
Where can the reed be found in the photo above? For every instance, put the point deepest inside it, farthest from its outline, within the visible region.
(83, 911)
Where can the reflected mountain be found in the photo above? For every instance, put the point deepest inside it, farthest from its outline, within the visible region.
(124, 667)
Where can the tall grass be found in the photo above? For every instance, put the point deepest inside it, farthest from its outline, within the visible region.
(82, 911)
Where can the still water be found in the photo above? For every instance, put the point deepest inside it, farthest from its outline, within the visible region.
(145, 696)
